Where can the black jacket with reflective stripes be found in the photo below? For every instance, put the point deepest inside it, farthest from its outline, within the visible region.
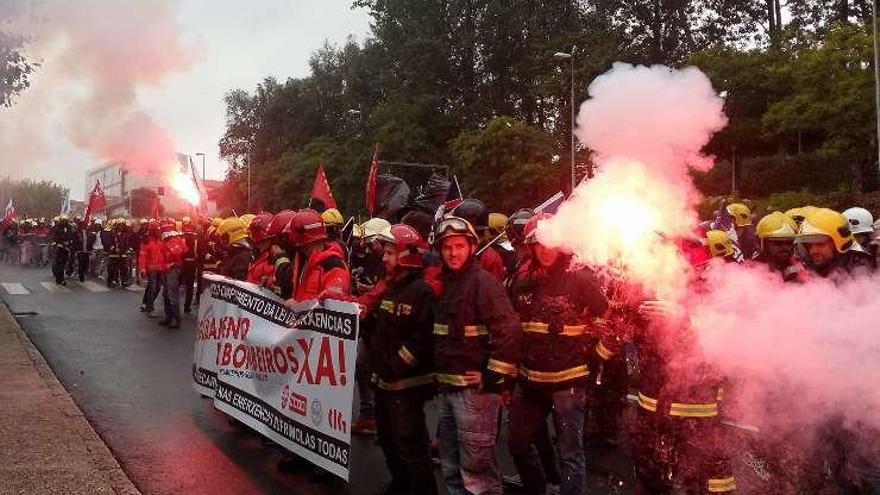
(475, 329)
(558, 307)
(400, 347)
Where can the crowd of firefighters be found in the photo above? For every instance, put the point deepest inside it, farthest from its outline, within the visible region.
(471, 310)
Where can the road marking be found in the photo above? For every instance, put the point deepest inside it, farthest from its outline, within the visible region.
(53, 287)
(15, 288)
(94, 287)
(135, 288)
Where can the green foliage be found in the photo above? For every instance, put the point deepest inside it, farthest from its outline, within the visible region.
(15, 68)
(32, 199)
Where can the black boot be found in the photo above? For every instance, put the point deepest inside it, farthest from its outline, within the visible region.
(175, 323)
(164, 323)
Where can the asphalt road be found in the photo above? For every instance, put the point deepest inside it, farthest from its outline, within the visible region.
(131, 378)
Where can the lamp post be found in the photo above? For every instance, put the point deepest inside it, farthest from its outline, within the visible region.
(876, 78)
(570, 57)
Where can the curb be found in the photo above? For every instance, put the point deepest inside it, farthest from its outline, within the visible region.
(105, 461)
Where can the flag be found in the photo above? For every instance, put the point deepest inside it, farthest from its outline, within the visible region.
(372, 178)
(453, 199)
(321, 192)
(551, 204)
(200, 188)
(724, 221)
(9, 213)
(96, 201)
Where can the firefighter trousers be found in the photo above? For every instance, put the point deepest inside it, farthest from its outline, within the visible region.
(187, 281)
(60, 264)
(403, 437)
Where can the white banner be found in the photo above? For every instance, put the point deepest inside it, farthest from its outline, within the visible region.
(287, 372)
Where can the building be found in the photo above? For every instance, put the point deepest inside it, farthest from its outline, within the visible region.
(136, 193)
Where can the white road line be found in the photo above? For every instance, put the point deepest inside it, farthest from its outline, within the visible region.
(135, 288)
(14, 288)
(94, 287)
(53, 287)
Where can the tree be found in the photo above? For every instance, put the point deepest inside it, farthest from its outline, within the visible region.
(15, 68)
(32, 199)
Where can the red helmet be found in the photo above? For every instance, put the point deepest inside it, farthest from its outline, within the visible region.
(410, 245)
(279, 223)
(168, 225)
(259, 226)
(306, 226)
(530, 232)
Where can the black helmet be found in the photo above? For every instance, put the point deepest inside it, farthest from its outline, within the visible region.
(516, 225)
(475, 212)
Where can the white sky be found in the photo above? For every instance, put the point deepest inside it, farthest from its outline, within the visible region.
(240, 43)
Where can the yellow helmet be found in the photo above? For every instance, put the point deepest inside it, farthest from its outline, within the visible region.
(216, 221)
(247, 218)
(823, 224)
(776, 226)
(232, 230)
(741, 214)
(332, 217)
(719, 243)
(497, 222)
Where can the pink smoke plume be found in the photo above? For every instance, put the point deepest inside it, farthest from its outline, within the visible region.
(646, 127)
(97, 55)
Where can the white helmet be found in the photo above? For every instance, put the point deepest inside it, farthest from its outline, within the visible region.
(860, 220)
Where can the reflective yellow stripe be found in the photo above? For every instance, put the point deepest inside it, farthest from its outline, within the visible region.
(501, 367)
(693, 410)
(281, 261)
(603, 351)
(573, 330)
(387, 305)
(457, 380)
(416, 381)
(407, 356)
(554, 376)
(441, 329)
(722, 485)
(475, 330)
(720, 395)
(647, 403)
(535, 327)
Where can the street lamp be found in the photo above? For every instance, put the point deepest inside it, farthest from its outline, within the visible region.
(876, 78)
(203, 164)
(570, 57)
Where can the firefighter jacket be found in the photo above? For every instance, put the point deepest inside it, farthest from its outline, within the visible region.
(851, 263)
(192, 247)
(557, 307)
(238, 258)
(262, 271)
(115, 243)
(475, 329)
(400, 347)
(793, 271)
(322, 274)
(283, 276)
(493, 263)
(151, 256)
(63, 235)
(673, 377)
(173, 249)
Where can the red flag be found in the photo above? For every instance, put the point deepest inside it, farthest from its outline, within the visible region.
(8, 214)
(97, 201)
(371, 181)
(321, 190)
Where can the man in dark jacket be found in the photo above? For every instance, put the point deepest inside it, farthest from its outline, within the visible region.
(400, 350)
(557, 304)
(63, 239)
(777, 232)
(833, 251)
(238, 253)
(476, 350)
(190, 267)
(85, 239)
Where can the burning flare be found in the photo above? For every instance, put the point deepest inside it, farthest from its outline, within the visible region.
(185, 187)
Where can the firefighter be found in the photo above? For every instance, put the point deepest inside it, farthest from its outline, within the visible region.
(832, 248)
(62, 239)
(210, 253)
(114, 242)
(557, 304)
(678, 439)
(85, 239)
(279, 253)
(400, 349)
(151, 267)
(777, 232)
(237, 250)
(262, 270)
(720, 245)
(476, 213)
(745, 231)
(320, 270)
(173, 253)
(861, 223)
(189, 268)
(476, 348)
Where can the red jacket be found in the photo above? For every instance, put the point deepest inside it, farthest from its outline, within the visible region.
(174, 249)
(151, 257)
(262, 271)
(324, 274)
(492, 262)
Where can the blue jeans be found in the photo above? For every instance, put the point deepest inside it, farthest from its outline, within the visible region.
(528, 416)
(171, 293)
(468, 430)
